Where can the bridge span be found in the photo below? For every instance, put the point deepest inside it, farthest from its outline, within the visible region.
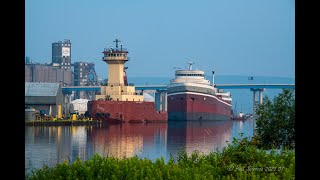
(66, 89)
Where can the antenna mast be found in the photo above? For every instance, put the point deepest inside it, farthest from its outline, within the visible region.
(212, 78)
(116, 41)
(190, 65)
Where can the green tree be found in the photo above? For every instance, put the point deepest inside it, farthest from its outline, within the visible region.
(275, 121)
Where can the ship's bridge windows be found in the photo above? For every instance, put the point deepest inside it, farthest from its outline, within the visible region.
(202, 75)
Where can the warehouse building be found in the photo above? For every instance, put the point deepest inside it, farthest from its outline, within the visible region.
(45, 97)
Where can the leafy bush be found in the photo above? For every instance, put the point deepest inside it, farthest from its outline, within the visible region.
(239, 160)
(276, 120)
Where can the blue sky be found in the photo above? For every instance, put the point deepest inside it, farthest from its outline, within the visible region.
(233, 37)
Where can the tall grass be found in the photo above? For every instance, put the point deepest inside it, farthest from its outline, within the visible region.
(239, 160)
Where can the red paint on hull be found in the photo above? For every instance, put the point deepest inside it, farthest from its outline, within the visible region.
(125, 111)
(195, 106)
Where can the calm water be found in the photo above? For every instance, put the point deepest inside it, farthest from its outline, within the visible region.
(50, 145)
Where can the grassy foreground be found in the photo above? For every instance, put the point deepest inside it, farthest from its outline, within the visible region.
(239, 160)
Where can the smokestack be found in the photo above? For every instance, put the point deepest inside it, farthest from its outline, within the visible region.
(212, 78)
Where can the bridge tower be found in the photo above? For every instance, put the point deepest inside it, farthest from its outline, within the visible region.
(255, 103)
(117, 88)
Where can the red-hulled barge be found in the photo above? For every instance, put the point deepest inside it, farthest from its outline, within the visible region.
(118, 101)
(121, 111)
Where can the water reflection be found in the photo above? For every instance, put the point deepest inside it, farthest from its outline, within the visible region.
(202, 136)
(51, 145)
(127, 140)
(244, 127)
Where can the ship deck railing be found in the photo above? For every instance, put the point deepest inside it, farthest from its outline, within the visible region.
(117, 84)
(112, 50)
(122, 93)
